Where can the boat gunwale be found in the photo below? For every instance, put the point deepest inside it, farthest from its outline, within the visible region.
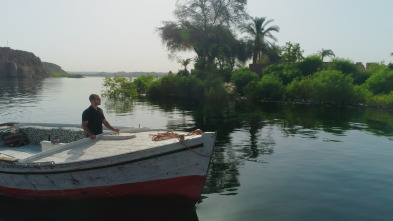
(20, 168)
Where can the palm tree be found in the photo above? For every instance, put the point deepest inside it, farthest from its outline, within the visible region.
(326, 53)
(185, 62)
(260, 32)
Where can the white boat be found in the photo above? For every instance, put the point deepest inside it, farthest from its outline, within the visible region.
(137, 162)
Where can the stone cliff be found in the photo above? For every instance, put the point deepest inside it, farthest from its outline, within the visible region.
(21, 64)
(54, 68)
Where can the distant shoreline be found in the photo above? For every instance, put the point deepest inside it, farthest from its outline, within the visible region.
(120, 74)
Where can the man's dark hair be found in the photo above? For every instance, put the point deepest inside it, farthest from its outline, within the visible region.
(92, 97)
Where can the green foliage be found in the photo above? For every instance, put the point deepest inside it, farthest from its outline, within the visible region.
(361, 94)
(291, 53)
(290, 72)
(269, 87)
(383, 100)
(349, 68)
(285, 72)
(326, 53)
(332, 87)
(381, 82)
(206, 28)
(118, 87)
(390, 66)
(178, 87)
(310, 65)
(345, 66)
(214, 90)
(274, 69)
(299, 89)
(143, 83)
(242, 77)
(259, 32)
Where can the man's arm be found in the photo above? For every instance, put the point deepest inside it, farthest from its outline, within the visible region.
(86, 129)
(107, 125)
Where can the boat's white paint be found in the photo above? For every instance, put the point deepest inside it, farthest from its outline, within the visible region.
(110, 160)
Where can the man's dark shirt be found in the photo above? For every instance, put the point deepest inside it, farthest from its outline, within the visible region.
(94, 118)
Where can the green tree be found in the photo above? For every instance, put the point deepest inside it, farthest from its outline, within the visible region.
(326, 53)
(269, 87)
(184, 63)
(332, 86)
(291, 53)
(259, 31)
(119, 87)
(198, 25)
(381, 82)
(242, 77)
(310, 65)
(143, 83)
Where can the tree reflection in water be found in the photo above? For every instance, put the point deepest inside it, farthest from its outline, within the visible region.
(245, 130)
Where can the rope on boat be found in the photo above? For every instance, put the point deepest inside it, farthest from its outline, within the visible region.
(170, 135)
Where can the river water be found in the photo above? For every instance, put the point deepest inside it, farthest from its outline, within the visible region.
(271, 162)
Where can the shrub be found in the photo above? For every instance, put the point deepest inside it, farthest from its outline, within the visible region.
(310, 65)
(275, 69)
(290, 72)
(215, 91)
(172, 86)
(361, 94)
(285, 72)
(269, 87)
(332, 87)
(119, 87)
(242, 77)
(143, 83)
(380, 82)
(299, 89)
(344, 66)
(385, 100)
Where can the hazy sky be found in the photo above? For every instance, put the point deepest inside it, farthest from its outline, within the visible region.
(120, 35)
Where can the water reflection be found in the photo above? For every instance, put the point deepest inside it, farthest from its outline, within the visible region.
(246, 131)
(19, 90)
(12, 209)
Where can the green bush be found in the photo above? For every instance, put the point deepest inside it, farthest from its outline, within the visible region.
(310, 65)
(242, 77)
(269, 87)
(117, 87)
(361, 94)
(344, 66)
(332, 86)
(299, 89)
(380, 82)
(214, 90)
(384, 100)
(172, 86)
(285, 72)
(143, 83)
(290, 72)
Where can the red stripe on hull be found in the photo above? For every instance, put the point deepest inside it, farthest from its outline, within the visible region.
(189, 187)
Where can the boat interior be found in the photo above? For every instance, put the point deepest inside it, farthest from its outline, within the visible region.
(36, 139)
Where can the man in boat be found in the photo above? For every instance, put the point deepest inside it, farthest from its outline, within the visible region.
(93, 118)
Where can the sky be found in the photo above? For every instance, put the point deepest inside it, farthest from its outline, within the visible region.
(120, 35)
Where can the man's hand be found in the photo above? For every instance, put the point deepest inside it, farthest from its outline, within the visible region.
(92, 137)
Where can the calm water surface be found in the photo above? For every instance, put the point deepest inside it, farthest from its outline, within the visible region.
(272, 161)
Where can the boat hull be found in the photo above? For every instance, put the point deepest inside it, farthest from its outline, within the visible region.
(179, 174)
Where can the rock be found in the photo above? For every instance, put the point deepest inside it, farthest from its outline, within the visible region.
(21, 64)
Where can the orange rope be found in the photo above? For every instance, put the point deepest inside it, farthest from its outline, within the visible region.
(170, 135)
